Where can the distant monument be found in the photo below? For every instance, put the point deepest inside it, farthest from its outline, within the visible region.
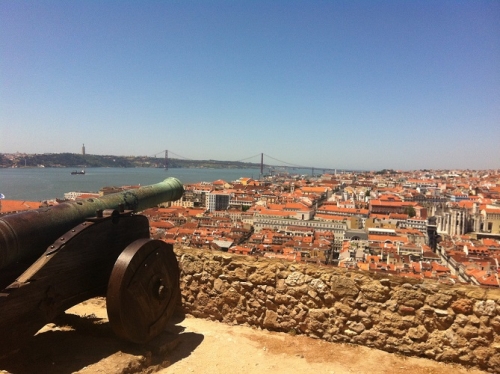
(83, 149)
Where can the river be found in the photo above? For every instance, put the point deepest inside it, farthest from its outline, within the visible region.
(38, 184)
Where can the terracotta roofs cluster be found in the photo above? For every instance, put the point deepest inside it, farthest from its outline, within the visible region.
(475, 260)
(388, 221)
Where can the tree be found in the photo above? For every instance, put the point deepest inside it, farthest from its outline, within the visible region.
(410, 211)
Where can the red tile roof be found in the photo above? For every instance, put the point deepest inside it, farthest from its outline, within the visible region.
(8, 206)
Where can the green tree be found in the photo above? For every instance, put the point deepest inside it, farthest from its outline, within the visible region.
(410, 211)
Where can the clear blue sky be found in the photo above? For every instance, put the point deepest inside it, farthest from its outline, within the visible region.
(337, 84)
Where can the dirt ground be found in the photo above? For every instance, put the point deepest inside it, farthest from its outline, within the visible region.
(82, 342)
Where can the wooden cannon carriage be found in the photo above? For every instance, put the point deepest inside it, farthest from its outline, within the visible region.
(56, 257)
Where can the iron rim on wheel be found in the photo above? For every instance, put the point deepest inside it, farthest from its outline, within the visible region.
(143, 290)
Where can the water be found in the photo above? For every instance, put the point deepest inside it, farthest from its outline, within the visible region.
(37, 184)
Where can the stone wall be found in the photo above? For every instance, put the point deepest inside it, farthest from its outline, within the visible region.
(419, 318)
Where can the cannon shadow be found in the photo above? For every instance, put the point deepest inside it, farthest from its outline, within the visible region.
(74, 343)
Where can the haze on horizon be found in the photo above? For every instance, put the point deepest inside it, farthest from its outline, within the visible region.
(341, 84)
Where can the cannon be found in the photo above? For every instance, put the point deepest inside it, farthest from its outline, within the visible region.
(55, 257)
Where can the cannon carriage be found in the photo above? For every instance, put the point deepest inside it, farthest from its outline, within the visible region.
(56, 257)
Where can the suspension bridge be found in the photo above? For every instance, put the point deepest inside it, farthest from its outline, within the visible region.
(275, 165)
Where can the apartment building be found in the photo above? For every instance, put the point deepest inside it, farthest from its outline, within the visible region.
(217, 200)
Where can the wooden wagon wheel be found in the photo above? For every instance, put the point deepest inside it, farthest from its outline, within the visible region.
(143, 290)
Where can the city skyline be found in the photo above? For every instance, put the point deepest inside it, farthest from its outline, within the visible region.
(353, 85)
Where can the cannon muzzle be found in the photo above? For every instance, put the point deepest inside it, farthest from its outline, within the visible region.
(25, 236)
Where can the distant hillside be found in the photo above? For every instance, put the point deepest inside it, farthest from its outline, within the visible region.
(79, 161)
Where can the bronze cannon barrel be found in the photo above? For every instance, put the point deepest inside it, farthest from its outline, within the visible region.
(27, 235)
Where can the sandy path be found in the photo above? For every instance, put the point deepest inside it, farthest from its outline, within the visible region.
(83, 343)
(215, 348)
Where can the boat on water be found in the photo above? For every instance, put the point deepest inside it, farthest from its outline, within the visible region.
(76, 172)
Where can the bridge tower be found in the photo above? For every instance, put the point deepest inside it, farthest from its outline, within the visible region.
(262, 164)
(166, 159)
